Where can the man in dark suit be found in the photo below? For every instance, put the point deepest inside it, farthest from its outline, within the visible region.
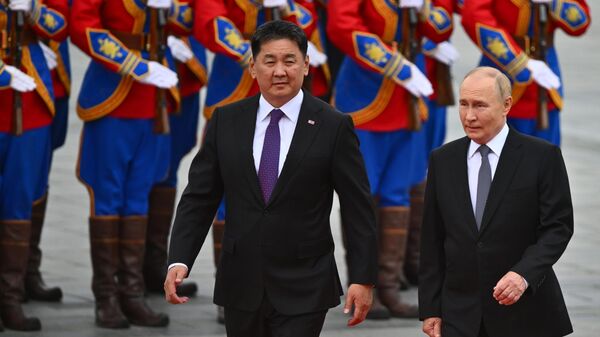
(278, 157)
(498, 215)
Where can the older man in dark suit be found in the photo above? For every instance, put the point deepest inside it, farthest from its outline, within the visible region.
(278, 157)
(498, 215)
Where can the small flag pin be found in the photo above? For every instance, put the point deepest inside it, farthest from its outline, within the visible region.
(311, 122)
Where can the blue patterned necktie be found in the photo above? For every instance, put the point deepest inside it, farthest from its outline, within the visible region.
(269, 161)
(484, 182)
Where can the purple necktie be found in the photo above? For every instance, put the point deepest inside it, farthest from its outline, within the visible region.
(269, 160)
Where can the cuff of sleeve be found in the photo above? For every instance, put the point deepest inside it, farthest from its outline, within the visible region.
(177, 264)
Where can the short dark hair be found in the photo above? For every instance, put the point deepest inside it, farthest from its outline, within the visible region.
(277, 30)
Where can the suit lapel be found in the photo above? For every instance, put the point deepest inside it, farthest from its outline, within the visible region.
(245, 126)
(461, 179)
(301, 141)
(507, 165)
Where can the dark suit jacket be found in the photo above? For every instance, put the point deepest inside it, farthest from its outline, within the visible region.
(283, 248)
(527, 223)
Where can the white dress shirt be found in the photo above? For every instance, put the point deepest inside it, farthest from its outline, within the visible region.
(474, 160)
(287, 125)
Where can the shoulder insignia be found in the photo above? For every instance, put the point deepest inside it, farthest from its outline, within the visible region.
(370, 49)
(570, 12)
(304, 16)
(49, 20)
(229, 37)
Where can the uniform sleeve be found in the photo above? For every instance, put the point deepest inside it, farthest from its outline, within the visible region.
(306, 16)
(436, 20)
(494, 41)
(181, 18)
(217, 33)
(350, 34)
(572, 16)
(49, 19)
(88, 33)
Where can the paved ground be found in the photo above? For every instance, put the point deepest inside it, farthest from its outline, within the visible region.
(66, 245)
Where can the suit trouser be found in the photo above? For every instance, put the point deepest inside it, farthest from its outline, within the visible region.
(267, 322)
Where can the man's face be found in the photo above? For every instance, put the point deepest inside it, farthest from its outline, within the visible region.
(279, 68)
(482, 110)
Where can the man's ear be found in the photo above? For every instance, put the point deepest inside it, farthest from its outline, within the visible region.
(306, 65)
(508, 102)
(251, 68)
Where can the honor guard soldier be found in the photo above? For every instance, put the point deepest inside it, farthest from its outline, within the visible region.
(385, 91)
(190, 60)
(318, 81)
(25, 143)
(56, 54)
(225, 27)
(124, 98)
(517, 37)
(438, 59)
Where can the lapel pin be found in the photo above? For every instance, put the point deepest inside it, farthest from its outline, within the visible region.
(311, 122)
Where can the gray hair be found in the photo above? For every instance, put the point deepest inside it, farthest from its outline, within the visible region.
(503, 85)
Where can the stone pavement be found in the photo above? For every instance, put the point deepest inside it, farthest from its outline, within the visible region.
(66, 245)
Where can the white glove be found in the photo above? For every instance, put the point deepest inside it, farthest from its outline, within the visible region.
(20, 5)
(19, 80)
(542, 1)
(159, 3)
(49, 55)
(181, 51)
(543, 75)
(446, 53)
(418, 84)
(315, 57)
(411, 3)
(274, 3)
(159, 76)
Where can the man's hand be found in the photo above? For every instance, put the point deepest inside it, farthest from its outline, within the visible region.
(20, 5)
(180, 51)
(543, 75)
(274, 3)
(19, 80)
(432, 326)
(446, 53)
(175, 276)
(361, 296)
(164, 4)
(159, 76)
(510, 288)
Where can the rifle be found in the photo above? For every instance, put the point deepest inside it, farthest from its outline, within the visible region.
(443, 77)
(17, 25)
(158, 21)
(410, 46)
(540, 45)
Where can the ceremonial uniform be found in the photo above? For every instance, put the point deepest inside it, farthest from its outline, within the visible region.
(24, 158)
(184, 128)
(318, 82)
(370, 87)
(503, 31)
(119, 159)
(35, 287)
(434, 132)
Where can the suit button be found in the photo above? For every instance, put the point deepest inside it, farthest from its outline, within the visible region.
(265, 212)
(480, 244)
